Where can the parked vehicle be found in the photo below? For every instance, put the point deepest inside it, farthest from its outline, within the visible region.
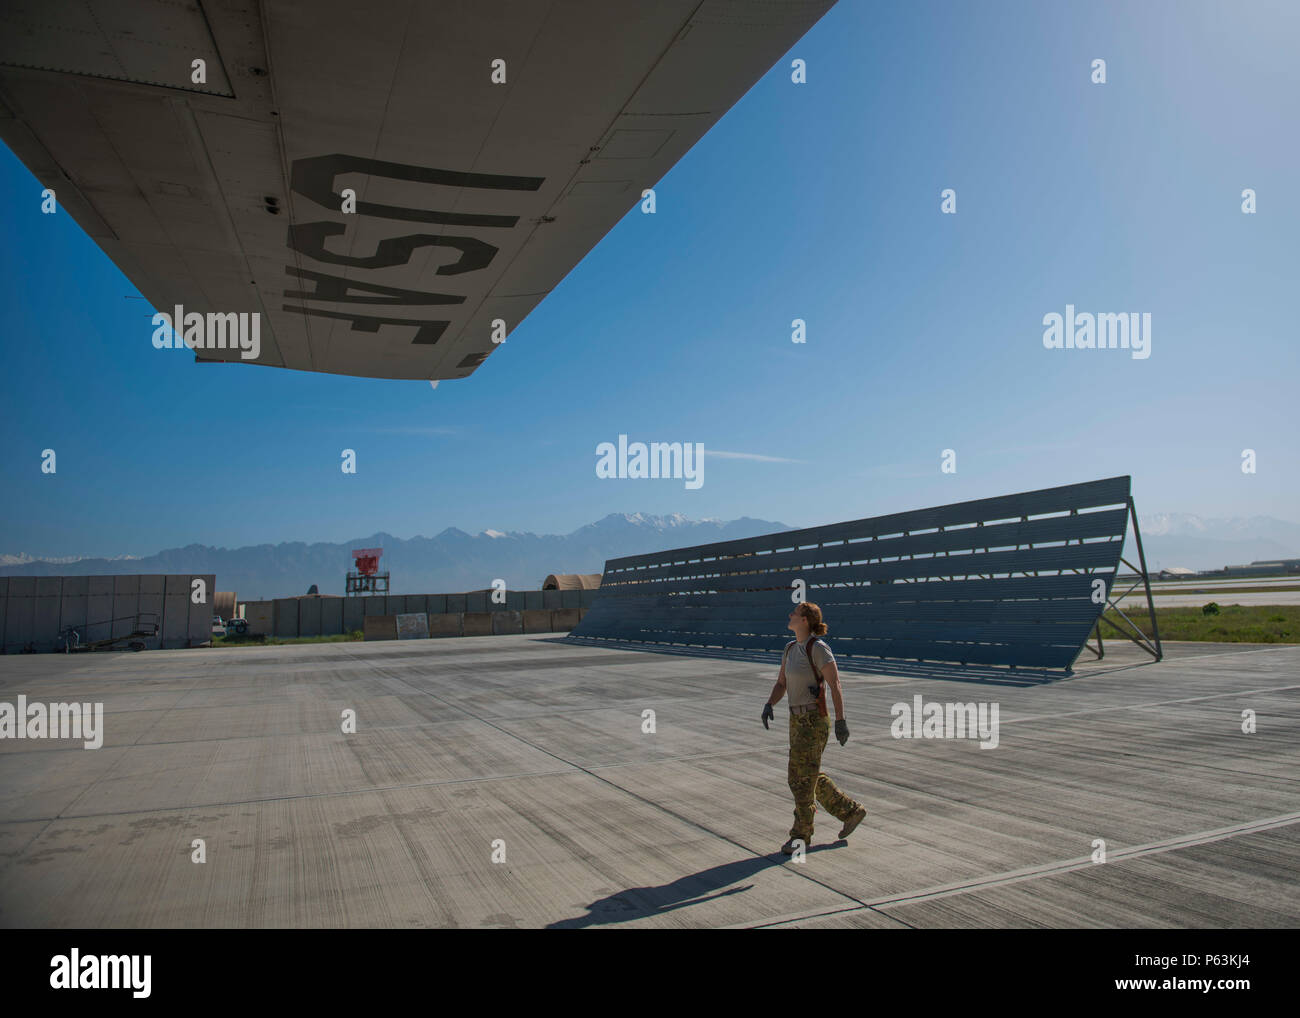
(218, 626)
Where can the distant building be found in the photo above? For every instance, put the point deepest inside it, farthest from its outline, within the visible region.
(1176, 573)
(1280, 567)
(572, 581)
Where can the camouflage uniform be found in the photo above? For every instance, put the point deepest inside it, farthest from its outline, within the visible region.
(808, 735)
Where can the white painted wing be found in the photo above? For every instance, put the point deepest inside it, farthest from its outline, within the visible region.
(474, 198)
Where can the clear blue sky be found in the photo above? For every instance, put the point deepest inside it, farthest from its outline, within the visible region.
(817, 201)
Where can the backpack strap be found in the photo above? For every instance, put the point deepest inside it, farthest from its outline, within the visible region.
(812, 641)
(821, 693)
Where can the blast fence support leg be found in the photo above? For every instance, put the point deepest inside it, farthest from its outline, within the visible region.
(1130, 630)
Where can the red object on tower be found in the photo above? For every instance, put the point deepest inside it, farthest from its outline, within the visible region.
(367, 560)
(366, 578)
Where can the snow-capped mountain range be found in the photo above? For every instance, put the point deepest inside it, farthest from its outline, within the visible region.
(456, 561)
(448, 562)
(1195, 542)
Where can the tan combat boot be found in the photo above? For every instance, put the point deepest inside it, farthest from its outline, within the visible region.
(855, 818)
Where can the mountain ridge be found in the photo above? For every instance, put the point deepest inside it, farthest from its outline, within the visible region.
(454, 560)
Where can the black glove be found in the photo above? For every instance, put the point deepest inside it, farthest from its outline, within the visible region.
(842, 731)
(767, 714)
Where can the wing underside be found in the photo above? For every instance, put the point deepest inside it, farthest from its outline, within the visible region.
(473, 196)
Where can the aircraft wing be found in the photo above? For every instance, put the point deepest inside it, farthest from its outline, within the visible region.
(473, 197)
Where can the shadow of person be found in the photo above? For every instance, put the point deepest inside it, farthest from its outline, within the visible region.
(695, 889)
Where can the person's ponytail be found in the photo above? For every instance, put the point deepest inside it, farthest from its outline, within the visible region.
(813, 614)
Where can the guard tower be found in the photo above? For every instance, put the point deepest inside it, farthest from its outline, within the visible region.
(366, 577)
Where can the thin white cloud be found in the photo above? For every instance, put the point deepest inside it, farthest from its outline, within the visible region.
(411, 431)
(748, 456)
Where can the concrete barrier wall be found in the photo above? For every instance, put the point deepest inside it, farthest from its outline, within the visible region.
(447, 624)
(507, 623)
(354, 612)
(286, 617)
(474, 614)
(499, 623)
(568, 618)
(477, 623)
(331, 615)
(34, 610)
(309, 616)
(381, 627)
(260, 616)
(537, 621)
(100, 606)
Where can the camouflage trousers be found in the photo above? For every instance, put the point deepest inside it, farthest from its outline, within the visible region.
(808, 735)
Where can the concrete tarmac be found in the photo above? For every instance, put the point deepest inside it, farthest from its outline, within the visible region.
(534, 746)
